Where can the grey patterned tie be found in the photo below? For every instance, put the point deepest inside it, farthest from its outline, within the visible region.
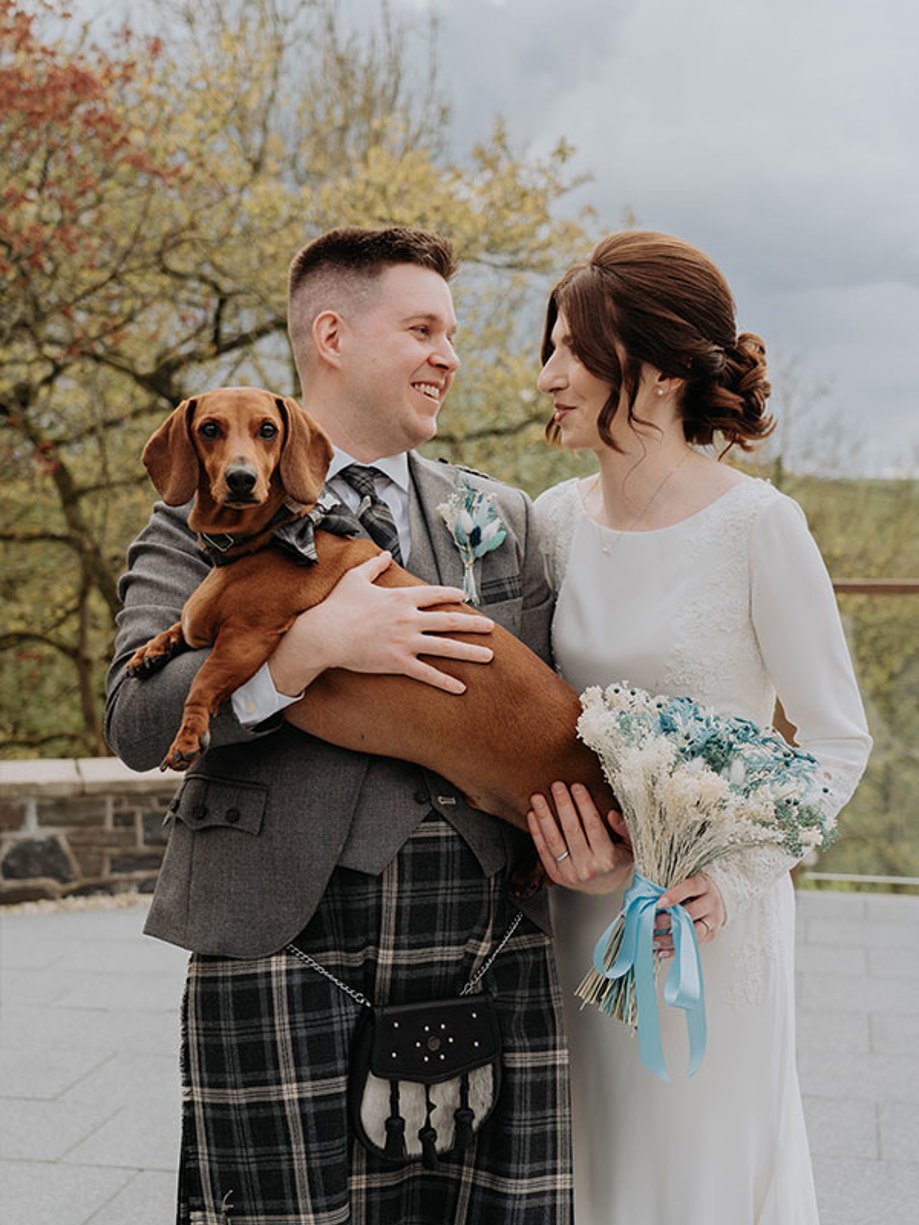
(375, 516)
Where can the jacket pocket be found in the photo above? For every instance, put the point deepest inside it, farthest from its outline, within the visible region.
(212, 803)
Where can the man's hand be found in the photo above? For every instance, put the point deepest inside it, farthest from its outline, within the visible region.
(366, 628)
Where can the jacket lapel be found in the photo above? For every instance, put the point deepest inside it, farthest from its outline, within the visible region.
(434, 557)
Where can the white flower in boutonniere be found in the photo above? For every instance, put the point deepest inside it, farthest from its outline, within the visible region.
(473, 521)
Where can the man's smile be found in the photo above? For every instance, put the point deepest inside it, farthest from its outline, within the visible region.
(433, 391)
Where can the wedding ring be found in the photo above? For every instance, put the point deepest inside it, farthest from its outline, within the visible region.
(564, 855)
(707, 926)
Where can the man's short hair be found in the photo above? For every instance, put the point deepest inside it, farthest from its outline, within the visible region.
(338, 270)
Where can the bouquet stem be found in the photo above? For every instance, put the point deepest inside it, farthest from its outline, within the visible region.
(614, 996)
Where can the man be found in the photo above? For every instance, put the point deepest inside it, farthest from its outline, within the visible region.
(375, 869)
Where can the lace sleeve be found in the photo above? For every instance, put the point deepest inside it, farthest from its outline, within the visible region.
(743, 875)
(557, 512)
(804, 650)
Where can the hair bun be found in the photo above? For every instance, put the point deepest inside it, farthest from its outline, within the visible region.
(736, 402)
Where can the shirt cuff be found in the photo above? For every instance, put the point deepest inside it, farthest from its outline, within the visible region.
(258, 699)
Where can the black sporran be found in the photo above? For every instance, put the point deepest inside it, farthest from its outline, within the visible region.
(424, 1077)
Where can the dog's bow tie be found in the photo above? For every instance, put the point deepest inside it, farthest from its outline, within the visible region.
(296, 538)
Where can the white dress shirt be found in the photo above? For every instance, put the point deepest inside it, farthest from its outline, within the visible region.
(258, 699)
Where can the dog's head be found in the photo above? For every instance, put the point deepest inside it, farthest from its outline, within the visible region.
(238, 448)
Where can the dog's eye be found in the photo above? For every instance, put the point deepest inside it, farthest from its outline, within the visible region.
(267, 430)
(209, 429)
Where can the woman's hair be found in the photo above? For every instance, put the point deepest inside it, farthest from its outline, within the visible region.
(648, 298)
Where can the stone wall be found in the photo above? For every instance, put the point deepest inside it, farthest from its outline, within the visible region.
(75, 827)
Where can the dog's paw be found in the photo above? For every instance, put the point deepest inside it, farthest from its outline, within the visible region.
(156, 653)
(142, 665)
(528, 878)
(185, 750)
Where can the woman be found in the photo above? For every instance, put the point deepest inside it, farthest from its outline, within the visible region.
(684, 576)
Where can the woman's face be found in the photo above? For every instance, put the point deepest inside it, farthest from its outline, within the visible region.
(578, 395)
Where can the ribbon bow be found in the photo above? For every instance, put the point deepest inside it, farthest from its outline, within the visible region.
(683, 988)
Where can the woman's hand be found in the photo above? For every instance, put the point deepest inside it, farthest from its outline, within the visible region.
(576, 848)
(702, 901)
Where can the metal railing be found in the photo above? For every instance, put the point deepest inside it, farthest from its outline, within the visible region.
(878, 815)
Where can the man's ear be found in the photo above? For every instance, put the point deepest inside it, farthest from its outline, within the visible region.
(306, 455)
(327, 336)
(170, 458)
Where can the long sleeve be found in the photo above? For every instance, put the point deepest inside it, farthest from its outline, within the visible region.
(538, 596)
(557, 512)
(800, 636)
(142, 716)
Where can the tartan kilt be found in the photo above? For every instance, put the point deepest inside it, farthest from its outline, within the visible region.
(266, 1138)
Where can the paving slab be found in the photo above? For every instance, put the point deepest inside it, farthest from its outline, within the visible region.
(142, 1134)
(40, 1193)
(832, 1032)
(842, 1127)
(894, 1034)
(147, 1199)
(852, 1192)
(899, 1131)
(43, 1075)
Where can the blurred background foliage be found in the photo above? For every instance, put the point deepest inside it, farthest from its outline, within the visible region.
(151, 197)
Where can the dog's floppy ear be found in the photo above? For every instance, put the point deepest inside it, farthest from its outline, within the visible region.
(307, 453)
(170, 458)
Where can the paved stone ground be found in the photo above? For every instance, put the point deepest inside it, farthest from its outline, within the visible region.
(89, 1098)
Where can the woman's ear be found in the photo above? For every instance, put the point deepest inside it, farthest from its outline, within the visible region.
(170, 458)
(306, 455)
(666, 385)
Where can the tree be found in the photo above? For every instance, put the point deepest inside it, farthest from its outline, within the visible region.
(145, 234)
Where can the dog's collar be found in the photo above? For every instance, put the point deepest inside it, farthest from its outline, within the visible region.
(218, 544)
(291, 531)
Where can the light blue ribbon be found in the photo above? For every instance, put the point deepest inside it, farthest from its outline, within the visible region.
(683, 988)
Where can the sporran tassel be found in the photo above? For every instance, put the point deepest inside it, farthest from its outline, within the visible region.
(428, 1134)
(395, 1126)
(463, 1117)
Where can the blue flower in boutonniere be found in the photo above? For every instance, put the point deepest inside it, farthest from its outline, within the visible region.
(474, 523)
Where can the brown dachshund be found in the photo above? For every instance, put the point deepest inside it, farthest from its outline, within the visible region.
(256, 460)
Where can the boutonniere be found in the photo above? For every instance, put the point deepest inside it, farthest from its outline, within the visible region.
(473, 521)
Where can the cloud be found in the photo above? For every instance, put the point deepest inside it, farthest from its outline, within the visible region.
(780, 138)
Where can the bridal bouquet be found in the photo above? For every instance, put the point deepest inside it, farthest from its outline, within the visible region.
(693, 786)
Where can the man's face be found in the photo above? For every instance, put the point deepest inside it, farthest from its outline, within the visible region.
(398, 360)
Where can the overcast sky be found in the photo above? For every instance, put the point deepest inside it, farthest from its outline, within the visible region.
(780, 136)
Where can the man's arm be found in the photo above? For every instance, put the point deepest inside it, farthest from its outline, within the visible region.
(165, 566)
(360, 627)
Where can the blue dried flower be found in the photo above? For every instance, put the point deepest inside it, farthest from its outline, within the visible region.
(474, 523)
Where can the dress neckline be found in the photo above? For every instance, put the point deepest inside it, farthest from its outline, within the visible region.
(656, 531)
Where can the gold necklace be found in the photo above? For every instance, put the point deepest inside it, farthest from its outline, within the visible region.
(633, 523)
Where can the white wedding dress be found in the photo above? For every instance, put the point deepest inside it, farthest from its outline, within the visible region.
(729, 607)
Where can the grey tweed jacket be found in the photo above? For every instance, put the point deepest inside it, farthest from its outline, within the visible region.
(262, 819)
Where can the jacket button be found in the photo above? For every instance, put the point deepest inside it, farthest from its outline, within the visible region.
(199, 812)
(422, 797)
(233, 815)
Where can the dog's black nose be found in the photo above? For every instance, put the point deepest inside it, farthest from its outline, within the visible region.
(241, 479)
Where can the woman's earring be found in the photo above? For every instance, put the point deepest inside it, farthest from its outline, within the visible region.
(660, 391)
